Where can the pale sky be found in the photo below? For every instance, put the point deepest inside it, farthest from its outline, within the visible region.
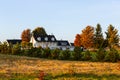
(63, 18)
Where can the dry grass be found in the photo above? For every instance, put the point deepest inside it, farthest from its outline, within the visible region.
(17, 64)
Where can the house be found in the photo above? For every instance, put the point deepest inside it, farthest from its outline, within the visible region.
(72, 46)
(49, 41)
(13, 41)
(119, 43)
(44, 41)
(63, 44)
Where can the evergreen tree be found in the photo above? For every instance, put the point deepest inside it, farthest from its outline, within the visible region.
(98, 37)
(112, 36)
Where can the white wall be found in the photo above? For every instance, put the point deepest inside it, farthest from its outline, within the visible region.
(51, 45)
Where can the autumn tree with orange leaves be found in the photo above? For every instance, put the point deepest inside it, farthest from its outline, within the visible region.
(78, 40)
(85, 39)
(26, 36)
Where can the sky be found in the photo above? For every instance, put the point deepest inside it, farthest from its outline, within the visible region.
(63, 18)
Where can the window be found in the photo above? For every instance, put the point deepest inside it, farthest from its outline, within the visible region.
(39, 38)
(53, 39)
(63, 43)
(46, 38)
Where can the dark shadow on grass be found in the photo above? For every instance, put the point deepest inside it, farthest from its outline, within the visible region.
(85, 75)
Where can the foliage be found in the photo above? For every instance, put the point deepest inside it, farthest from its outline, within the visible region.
(86, 56)
(39, 31)
(94, 56)
(112, 36)
(46, 53)
(26, 45)
(77, 53)
(4, 48)
(34, 52)
(78, 40)
(98, 37)
(26, 35)
(85, 39)
(101, 54)
(16, 49)
(112, 55)
(55, 53)
(64, 55)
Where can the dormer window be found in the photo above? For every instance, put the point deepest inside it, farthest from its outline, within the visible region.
(53, 39)
(39, 38)
(63, 43)
(46, 38)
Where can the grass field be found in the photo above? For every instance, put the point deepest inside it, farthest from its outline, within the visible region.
(27, 68)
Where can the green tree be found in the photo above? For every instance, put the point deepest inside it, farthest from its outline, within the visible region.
(16, 49)
(26, 45)
(77, 53)
(39, 31)
(112, 36)
(98, 37)
(4, 48)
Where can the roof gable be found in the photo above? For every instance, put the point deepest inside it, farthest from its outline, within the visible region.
(46, 38)
(14, 41)
(72, 44)
(63, 43)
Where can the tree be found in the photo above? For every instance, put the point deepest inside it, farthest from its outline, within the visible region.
(78, 40)
(98, 37)
(77, 53)
(87, 37)
(39, 31)
(16, 49)
(26, 35)
(112, 36)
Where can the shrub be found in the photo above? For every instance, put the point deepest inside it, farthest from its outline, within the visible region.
(71, 55)
(112, 55)
(77, 53)
(119, 56)
(5, 49)
(86, 56)
(55, 53)
(101, 54)
(24, 52)
(46, 53)
(94, 56)
(33, 52)
(16, 49)
(64, 55)
(37, 52)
